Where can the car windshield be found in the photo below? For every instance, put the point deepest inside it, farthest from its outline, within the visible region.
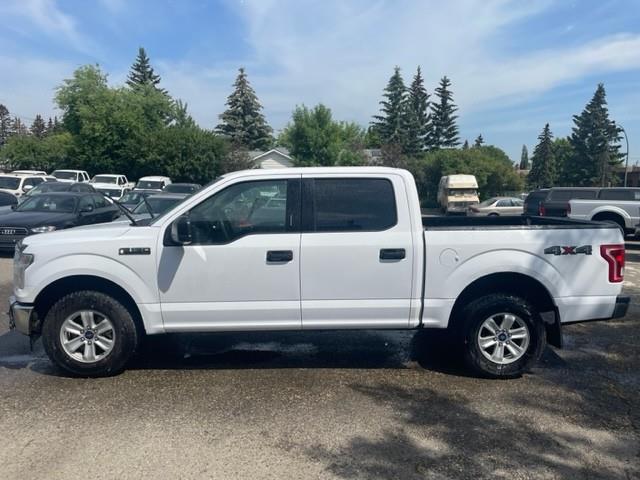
(180, 188)
(48, 187)
(104, 179)
(158, 205)
(61, 175)
(212, 182)
(49, 203)
(149, 185)
(132, 198)
(10, 183)
(487, 202)
(459, 192)
(111, 192)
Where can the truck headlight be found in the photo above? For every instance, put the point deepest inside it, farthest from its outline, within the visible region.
(43, 229)
(21, 261)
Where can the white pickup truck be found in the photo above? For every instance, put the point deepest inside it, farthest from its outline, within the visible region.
(315, 248)
(620, 206)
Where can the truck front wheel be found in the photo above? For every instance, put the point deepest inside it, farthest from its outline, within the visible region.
(90, 334)
(503, 336)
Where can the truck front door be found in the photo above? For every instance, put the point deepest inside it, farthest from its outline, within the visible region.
(242, 269)
(357, 252)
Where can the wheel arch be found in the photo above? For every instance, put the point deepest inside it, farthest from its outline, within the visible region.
(65, 285)
(516, 284)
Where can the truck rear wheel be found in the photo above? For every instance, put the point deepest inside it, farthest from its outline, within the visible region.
(90, 334)
(503, 336)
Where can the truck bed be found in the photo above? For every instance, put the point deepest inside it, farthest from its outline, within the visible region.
(507, 222)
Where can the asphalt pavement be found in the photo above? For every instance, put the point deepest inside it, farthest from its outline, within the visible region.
(332, 405)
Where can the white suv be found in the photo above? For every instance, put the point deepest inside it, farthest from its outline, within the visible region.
(19, 184)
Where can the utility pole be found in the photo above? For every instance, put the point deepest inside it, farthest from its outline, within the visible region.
(626, 164)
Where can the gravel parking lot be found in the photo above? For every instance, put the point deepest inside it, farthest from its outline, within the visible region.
(345, 405)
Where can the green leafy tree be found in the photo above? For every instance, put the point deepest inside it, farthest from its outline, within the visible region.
(5, 124)
(31, 152)
(445, 128)
(524, 159)
(182, 116)
(479, 141)
(543, 168)
(390, 124)
(142, 73)
(595, 142)
(417, 117)
(243, 122)
(38, 127)
(314, 138)
(563, 154)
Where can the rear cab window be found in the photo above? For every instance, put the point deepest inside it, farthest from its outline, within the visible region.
(627, 194)
(581, 194)
(349, 205)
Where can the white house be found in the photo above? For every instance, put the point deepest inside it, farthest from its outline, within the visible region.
(275, 158)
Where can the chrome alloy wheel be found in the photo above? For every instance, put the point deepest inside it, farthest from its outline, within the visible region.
(87, 336)
(503, 338)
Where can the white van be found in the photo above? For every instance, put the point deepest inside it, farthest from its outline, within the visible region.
(457, 192)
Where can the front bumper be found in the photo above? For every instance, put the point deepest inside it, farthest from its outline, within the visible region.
(20, 316)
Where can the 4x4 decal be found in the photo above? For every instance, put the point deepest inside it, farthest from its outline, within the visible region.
(568, 250)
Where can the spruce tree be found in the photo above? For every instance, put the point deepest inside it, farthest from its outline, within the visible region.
(524, 158)
(38, 127)
(543, 171)
(465, 145)
(390, 124)
(5, 124)
(142, 73)
(243, 121)
(417, 117)
(479, 141)
(49, 126)
(17, 127)
(595, 143)
(443, 117)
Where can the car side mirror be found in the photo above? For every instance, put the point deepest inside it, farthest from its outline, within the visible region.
(26, 188)
(181, 231)
(13, 207)
(86, 209)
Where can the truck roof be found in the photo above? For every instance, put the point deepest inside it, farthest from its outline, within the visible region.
(259, 172)
(461, 181)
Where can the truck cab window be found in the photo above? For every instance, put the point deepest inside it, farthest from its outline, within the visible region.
(241, 209)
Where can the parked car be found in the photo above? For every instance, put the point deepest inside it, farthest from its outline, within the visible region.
(19, 184)
(72, 176)
(7, 200)
(48, 187)
(114, 192)
(361, 258)
(53, 211)
(457, 192)
(132, 199)
(29, 172)
(187, 188)
(152, 183)
(497, 206)
(533, 203)
(556, 204)
(620, 206)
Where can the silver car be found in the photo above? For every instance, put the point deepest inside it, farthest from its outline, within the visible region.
(497, 206)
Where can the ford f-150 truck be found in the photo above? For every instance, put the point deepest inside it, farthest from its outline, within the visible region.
(620, 206)
(315, 248)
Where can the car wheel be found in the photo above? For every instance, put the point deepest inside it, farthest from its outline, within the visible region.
(90, 334)
(503, 336)
(492, 214)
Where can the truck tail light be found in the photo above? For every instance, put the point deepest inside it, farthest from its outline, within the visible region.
(541, 210)
(614, 255)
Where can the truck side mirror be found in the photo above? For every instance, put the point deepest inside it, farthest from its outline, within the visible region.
(181, 230)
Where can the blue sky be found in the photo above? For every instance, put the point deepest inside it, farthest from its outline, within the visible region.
(514, 64)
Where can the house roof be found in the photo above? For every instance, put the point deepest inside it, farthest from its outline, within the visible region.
(257, 154)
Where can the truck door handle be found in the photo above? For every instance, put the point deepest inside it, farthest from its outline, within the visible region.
(279, 256)
(392, 254)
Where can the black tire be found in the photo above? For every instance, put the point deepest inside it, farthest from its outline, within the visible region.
(481, 309)
(493, 214)
(126, 336)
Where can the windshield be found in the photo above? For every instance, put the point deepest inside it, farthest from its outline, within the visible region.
(158, 205)
(459, 192)
(48, 187)
(149, 185)
(10, 183)
(111, 192)
(61, 175)
(104, 179)
(132, 198)
(49, 203)
(177, 188)
(487, 202)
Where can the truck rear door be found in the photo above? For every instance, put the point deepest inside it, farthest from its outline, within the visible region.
(356, 260)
